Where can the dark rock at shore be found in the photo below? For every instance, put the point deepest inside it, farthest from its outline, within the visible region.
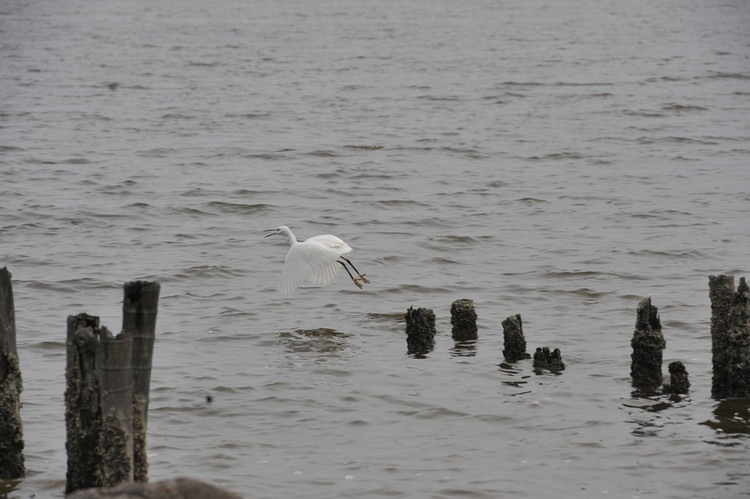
(179, 488)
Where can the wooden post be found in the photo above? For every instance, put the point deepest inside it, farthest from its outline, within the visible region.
(648, 344)
(98, 405)
(514, 341)
(544, 359)
(11, 385)
(139, 309)
(678, 379)
(464, 320)
(730, 337)
(420, 331)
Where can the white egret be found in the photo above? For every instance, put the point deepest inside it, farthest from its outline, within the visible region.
(316, 259)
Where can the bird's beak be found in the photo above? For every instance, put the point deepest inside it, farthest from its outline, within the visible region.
(273, 232)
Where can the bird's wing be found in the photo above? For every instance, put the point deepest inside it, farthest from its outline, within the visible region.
(324, 275)
(309, 260)
(333, 243)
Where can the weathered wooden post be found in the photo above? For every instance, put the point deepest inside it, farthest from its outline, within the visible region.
(544, 359)
(514, 341)
(678, 379)
(98, 405)
(730, 337)
(464, 320)
(11, 385)
(106, 399)
(648, 344)
(139, 310)
(420, 331)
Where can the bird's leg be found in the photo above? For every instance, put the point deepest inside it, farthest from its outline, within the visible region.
(356, 281)
(361, 276)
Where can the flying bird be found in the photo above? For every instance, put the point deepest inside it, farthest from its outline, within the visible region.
(316, 260)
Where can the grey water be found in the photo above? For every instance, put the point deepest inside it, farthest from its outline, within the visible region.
(561, 160)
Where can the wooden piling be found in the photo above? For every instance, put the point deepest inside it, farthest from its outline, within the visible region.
(420, 331)
(648, 344)
(544, 359)
(464, 320)
(98, 405)
(11, 385)
(678, 379)
(514, 341)
(139, 311)
(730, 337)
(106, 400)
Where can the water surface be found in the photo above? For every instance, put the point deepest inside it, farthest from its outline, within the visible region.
(561, 160)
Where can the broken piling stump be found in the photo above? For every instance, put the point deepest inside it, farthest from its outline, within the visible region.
(648, 344)
(544, 359)
(420, 331)
(98, 405)
(514, 341)
(730, 337)
(464, 320)
(106, 399)
(11, 385)
(139, 309)
(678, 379)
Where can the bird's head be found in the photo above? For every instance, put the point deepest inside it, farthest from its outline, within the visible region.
(274, 232)
(282, 230)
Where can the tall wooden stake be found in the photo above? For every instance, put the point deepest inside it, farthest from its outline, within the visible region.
(139, 322)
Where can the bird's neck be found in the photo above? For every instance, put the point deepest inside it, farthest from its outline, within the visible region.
(292, 240)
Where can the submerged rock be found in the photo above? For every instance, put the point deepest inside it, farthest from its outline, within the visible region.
(179, 488)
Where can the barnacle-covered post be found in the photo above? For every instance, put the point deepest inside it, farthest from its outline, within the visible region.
(420, 331)
(730, 337)
(11, 427)
(513, 339)
(678, 379)
(464, 320)
(648, 344)
(546, 359)
(98, 405)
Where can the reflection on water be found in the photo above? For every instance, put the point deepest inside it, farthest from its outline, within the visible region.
(464, 349)
(732, 416)
(8, 486)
